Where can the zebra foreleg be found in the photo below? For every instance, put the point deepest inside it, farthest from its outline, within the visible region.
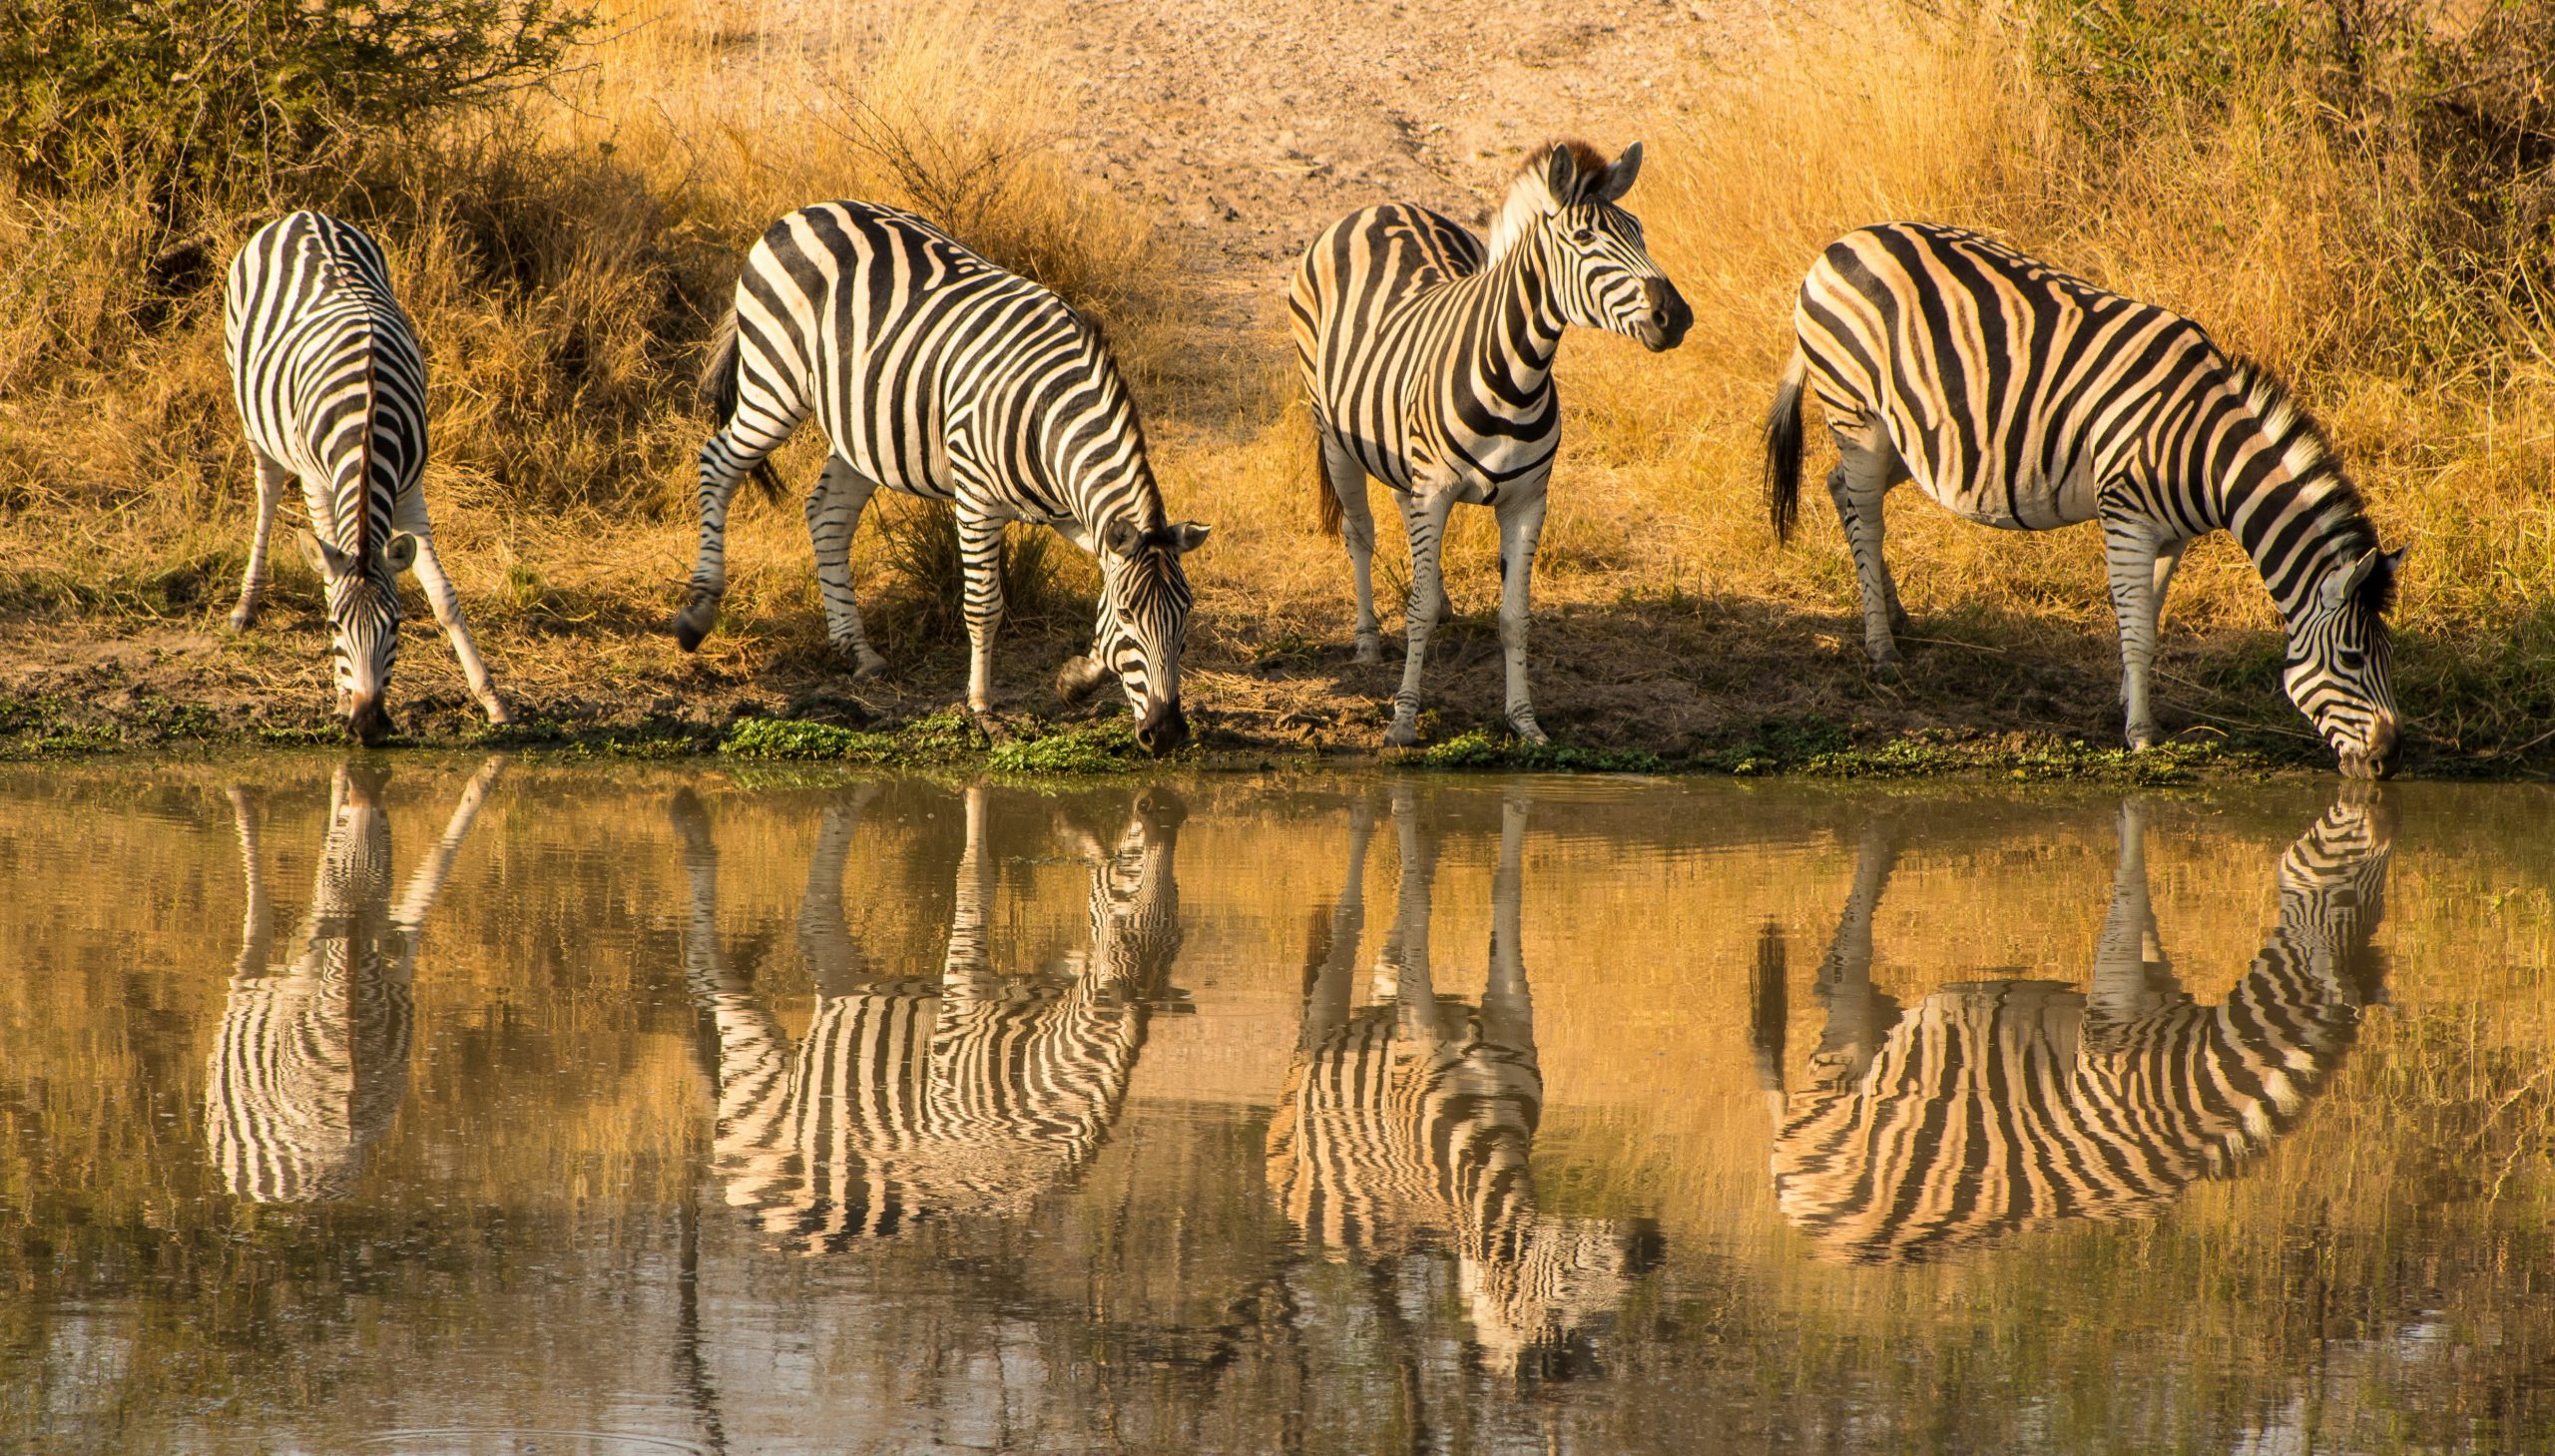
(1858, 495)
(1347, 480)
(1424, 517)
(272, 479)
(1521, 526)
(2140, 567)
(833, 518)
(980, 559)
(446, 603)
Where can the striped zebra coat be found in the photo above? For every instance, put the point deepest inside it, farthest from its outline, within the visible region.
(2018, 396)
(969, 1094)
(1427, 361)
(1993, 1107)
(936, 374)
(311, 1061)
(1406, 1124)
(331, 390)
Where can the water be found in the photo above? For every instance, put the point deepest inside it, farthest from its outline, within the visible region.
(439, 1105)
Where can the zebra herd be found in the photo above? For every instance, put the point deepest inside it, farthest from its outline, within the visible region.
(2013, 395)
(974, 1088)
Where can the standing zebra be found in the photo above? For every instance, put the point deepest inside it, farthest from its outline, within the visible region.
(966, 1093)
(1414, 1117)
(2001, 1105)
(1428, 365)
(936, 374)
(2018, 396)
(331, 390)
(312, 1062)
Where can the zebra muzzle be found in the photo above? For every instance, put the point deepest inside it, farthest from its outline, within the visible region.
(370, 722)
(1163, 729)
(1668, 318)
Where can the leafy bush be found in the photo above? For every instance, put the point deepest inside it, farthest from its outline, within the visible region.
(202, 95)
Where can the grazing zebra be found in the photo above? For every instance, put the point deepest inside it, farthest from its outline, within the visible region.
(1406, 1124)
(331, 390)
(2005, 1105)
(1428, 361)
(2018, 396)
(312, 1058)
(965, 1094)
(936, 374)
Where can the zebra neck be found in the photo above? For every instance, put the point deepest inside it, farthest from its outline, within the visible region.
(1521, 321)
(2287, 504)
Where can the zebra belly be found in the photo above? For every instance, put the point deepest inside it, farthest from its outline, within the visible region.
(2033, 502)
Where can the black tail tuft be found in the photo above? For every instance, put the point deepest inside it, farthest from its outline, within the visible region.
(1783, 448)
(717, 393)
(1326, 506)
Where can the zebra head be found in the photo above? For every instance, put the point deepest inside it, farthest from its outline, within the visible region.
(2337, 672)
(1564, 205)
(1144, 621)
(364, 624)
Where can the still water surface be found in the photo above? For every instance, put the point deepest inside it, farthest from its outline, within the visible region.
(448, 1106)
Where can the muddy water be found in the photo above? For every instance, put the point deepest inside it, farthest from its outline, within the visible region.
(457, 1107)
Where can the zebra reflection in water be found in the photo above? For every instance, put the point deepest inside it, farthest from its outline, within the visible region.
(313, 1059)
(1997, 1105)
(968, 1093)
(1406, 1124)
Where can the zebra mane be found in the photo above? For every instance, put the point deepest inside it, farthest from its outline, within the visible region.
(2311, 460)
(1530, 194)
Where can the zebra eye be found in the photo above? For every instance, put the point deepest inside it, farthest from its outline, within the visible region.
(2351, 660)
(1584, 234)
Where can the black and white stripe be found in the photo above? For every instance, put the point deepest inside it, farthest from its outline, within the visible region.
(936, 374)
(1998, 1105)
(1407, 1123)
(312, 1062)
(331, 390)
(1428, 361)
(2018, 396)
(965, 1094)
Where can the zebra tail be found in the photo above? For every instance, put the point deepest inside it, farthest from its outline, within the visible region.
(1328, 505)
(717, 393)
(1783, 448)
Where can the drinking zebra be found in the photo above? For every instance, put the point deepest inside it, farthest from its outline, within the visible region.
(964, 1094)
(1428, 361)
(2018, 396)
(936, 374)
(1412, 1118)
(311, 1061)
(331, 390)
(2006, 1105)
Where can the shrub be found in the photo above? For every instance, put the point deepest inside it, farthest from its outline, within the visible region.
(192, 92)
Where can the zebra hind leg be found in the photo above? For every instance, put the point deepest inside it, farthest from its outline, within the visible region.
(733, 454)
(1346, 480)
(1424, 516)
(272, 479)
(833, 518)
(1859, 493)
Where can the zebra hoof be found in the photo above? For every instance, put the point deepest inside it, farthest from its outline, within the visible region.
(996, 731)
(499, 715)
(866, 665)
(242, 618)
(699, 613)
(1370, 650)
(1527, 733)
(1401, 735)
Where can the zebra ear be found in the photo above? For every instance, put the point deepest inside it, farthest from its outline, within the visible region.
(1121, 537)
(400, 553)
(1186, 537)
(326, 560)
(2341, 586)
(1618, 178)
(1561, 175)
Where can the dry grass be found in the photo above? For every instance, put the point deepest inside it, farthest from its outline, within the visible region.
(563, 263)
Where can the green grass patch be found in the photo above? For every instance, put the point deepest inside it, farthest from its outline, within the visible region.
(1108, 748)
(1479, 748)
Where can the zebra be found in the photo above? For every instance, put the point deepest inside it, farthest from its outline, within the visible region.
(2019, 396)
(1407, 1122)
(2007, 1105)
(311, 1061)
(331, 390)
(934, 372)
(967, 1093)
(1428, 363)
